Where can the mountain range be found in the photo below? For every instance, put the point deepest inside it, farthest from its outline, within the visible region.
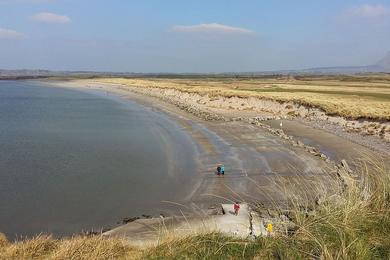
(382, 65)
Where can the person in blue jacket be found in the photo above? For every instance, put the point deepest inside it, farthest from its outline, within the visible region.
(223, 170)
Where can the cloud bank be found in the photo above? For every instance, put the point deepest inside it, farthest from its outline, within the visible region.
(211, 28)
(9, 34)
(50, 18)
(368, 11)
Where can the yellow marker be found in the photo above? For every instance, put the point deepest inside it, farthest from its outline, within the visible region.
(270, 228)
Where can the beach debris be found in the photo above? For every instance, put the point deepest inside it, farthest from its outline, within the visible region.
(130, 219)
(270, 228)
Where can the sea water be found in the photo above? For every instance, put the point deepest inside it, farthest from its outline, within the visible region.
(74, 160)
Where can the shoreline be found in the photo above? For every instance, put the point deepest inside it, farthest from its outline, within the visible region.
(178, 110)
(199, 106)
(99, 152)
(251, 149)
(185, 114)
(373, 134)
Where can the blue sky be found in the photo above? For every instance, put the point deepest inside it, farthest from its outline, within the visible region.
(191, 36)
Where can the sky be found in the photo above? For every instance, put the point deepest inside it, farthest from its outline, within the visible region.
(191, 36)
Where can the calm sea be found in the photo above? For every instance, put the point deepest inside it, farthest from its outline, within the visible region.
(74, 160)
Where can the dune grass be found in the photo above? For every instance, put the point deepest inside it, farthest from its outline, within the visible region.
(80, 247)
(348, 96)
(352, 224)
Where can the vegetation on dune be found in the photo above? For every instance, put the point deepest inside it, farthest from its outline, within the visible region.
(207, 246)
(347, 96)
(351, 224)
(81, 247)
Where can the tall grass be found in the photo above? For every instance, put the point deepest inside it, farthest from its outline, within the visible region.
(353, 223)
(80, 247)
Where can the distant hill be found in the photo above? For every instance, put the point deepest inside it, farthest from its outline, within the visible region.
(32, 74)
(381, 66)
(385, 62)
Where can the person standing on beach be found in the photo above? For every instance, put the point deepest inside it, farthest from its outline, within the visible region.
(236, 208)
(223, 170)
(218, 170)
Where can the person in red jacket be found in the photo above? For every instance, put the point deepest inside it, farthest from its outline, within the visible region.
(236, 208)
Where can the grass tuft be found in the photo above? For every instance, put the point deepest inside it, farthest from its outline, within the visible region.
(40, 246)
(206, 246)
(96, 247)
(3, 240)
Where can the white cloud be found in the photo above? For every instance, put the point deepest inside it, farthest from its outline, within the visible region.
(368, 11)
(24, 1)
(10, 34)
(50, 18)
(211, 28)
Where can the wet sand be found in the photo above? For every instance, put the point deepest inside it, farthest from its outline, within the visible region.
(260, 167)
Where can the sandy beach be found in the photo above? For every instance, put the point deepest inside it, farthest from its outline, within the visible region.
(260, 159)
(267, 163)
(194, 129)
